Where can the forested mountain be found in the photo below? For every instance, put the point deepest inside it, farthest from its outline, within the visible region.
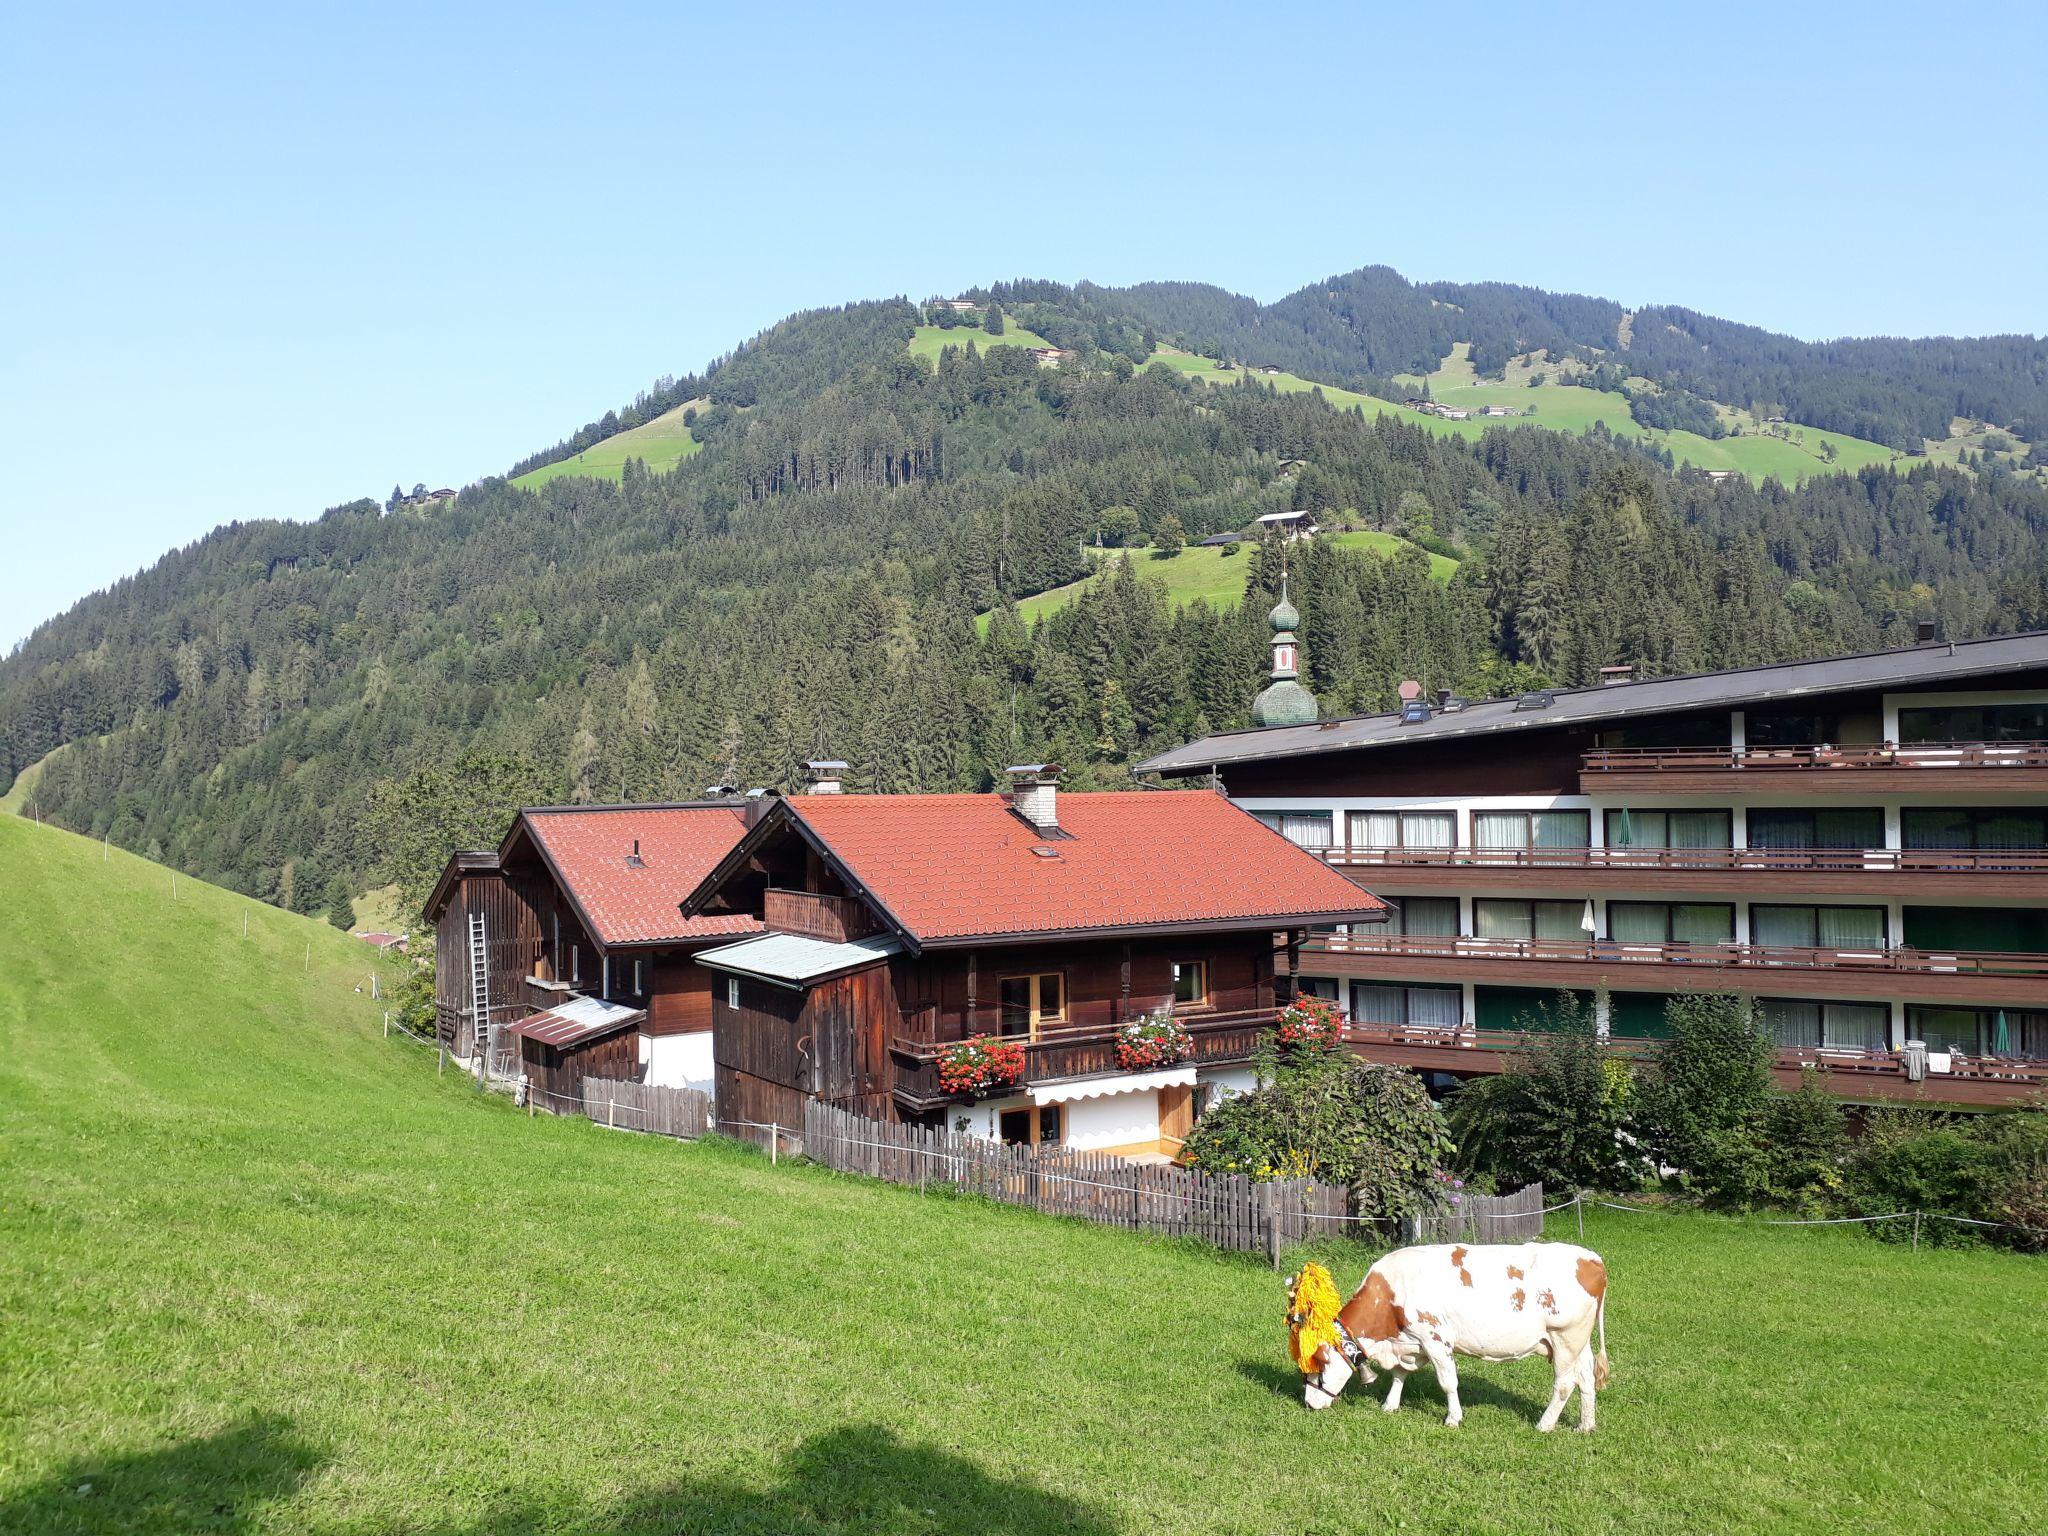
(1359, 329)
(809, 582)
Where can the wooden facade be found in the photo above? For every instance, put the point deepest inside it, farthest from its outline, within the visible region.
(555, 1073)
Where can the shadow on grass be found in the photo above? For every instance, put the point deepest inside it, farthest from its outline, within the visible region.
(1285, 1381)
(862, 1480)
(219, 1483)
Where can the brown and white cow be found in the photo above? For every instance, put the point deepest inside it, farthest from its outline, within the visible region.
(1495, 1302)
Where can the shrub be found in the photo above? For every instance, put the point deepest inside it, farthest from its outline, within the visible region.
(1912, 1160)
(1558, 1114)
(1804, 1142)
(1327, 1114)
(1310, 1024)
(1704, 1103)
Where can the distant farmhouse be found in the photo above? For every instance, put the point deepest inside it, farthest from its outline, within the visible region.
(1290, 526)
(958, 306)
(1050, 357)
(1447, 412)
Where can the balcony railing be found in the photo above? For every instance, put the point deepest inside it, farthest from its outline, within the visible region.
(1610, 952)
(1932, 756)
(1881, 1063)
(2005, 861)
(1084, 1050)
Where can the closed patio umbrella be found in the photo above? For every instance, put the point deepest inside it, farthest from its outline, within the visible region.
(1624, 831)
(2001, 1037)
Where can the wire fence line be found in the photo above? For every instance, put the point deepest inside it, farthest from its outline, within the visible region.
(1914, 1216)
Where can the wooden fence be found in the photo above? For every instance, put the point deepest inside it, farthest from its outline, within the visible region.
(1227, 1210)
(1516, 1218)
(627, 1106)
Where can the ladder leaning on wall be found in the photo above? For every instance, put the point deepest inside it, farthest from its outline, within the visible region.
(479, 982)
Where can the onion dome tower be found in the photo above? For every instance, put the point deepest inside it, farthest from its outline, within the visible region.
(1284, 701)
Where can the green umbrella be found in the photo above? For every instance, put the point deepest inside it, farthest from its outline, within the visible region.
(1624, 831)
(2001, 1037)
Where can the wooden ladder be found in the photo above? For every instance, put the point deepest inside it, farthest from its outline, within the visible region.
(479, 981)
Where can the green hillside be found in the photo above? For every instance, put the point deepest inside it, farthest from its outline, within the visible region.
(1208, 574)
(929, 340)
(662, 443)
(1756, 453)
(264, 1272)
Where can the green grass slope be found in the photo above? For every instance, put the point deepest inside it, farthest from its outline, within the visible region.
(1566, 408)
(928, 341)
(262, 1271)
(1208, 574)
(663, 443)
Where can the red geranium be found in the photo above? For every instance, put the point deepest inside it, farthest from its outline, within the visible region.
(1158, 1040)
(1311, 1023)
(979, 1063)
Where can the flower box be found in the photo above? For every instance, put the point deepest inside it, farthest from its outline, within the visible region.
(1310, 1024)
(980, 1064)
(1157, 1040)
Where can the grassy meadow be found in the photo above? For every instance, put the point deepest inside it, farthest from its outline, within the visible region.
(662, 443)
(1566, 408)
(928, 341)
(262, 1271)
(1207, 574)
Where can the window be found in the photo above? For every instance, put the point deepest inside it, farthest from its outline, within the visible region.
(1431, 916)
(1190, 983)
(1531, 829)
(575, 965)
(2006, 1032)
(1996, 930)
(639, 978)
(732, 991)
(1402, 829)
(1766, 728)
(1305, 829)
(1037, 1125)
(1974, 722)
(1858, 928)
(1670, 922)
(1792, 827)
(1421, 1007)
(1030, 1001)
(1670, 829)
(1837, 1026)
(1974, 827)
(1547, 920)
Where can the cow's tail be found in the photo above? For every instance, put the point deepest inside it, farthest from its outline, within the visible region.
(1600, 1370)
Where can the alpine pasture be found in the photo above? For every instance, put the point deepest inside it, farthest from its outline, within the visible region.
(661, 444)
(261, 1270)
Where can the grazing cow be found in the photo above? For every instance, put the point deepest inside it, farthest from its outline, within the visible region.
(1495, 1302)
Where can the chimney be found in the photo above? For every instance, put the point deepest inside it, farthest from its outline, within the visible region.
(1620, 673)
(1034, 794)
(1923, 632)
(825, 774)
(1443, 699)
(633, 859)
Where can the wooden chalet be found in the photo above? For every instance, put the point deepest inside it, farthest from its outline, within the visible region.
(894, 926)
(581, 903)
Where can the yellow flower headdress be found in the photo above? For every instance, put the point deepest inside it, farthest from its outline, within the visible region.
(1312, 1304)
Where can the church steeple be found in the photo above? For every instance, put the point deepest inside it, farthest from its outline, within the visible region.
(1284, 701)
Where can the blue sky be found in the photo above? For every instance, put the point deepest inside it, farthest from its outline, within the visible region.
(257, 263)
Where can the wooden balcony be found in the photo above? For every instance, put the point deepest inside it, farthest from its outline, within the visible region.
(1962, 978)
(1944, 768)
(1878, 1076)
(1760, 873)
(1083, 1050)
(835, 919)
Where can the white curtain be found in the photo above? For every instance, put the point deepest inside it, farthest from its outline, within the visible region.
(1429, 829)
(1789, 1023)
(1436, 916)
(1500, 829)
(1702, 923)
(1855, 1026)
(1560, 920)
(1699, 829)
(1851, 928)
(1376, 1005)
(1783, 927)
(1500, 919)
(1561, 829)
(1375, 829)
(1630, 922)
(1307, 831)
(1436, 1007)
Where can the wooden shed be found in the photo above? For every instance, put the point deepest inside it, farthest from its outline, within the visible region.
(581, 1037)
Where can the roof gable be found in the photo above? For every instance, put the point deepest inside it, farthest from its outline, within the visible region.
(590, 852)
(956, 869)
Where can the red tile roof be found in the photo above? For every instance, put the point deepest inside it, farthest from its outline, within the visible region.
(679, 846)
(950, 867)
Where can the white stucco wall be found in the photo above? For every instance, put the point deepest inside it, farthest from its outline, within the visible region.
(1229, 1080)
(678, 1061)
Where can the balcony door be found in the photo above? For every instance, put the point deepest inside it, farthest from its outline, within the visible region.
(1029, 1003)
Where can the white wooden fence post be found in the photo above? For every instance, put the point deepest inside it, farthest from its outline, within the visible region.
(774, 1143)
